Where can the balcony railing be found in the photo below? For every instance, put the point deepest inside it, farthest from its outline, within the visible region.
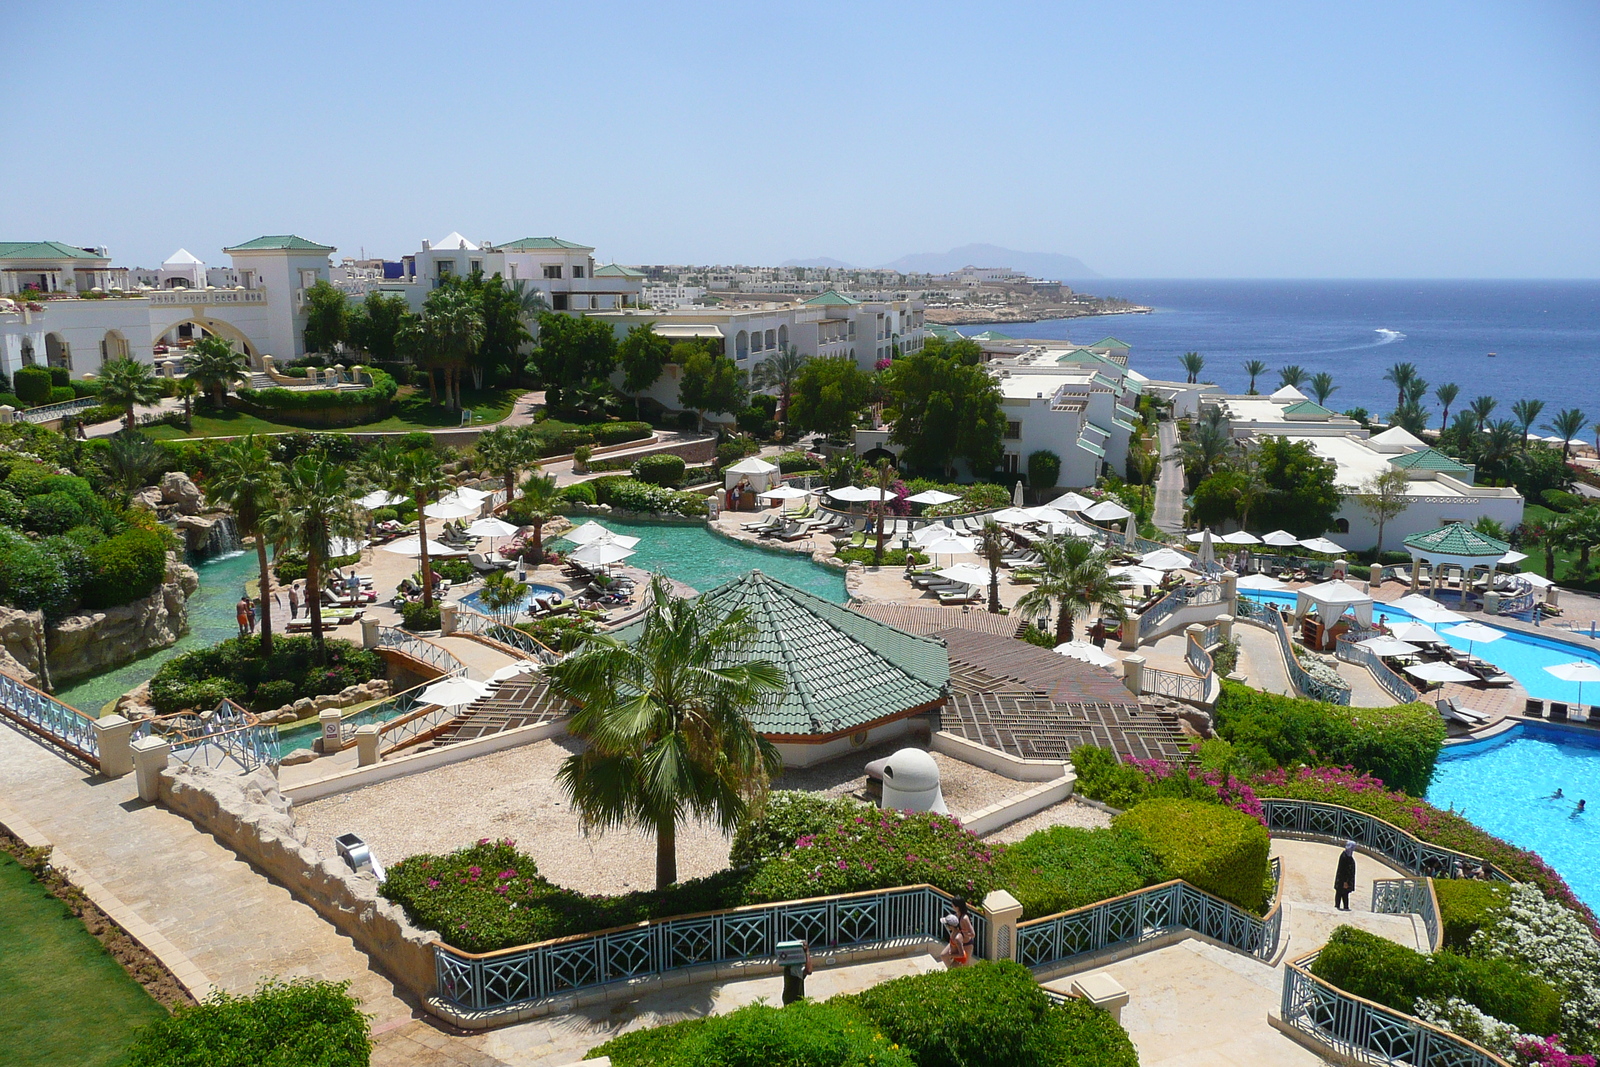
(1397, 687)
(206, 297)
(1337, 824)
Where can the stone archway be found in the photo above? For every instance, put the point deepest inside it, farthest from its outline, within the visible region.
(226, 330)
(113, 346)
(57, 352)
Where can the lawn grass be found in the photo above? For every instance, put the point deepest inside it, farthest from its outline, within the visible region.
(1566, 560)
(64, 1002)
(411, 411)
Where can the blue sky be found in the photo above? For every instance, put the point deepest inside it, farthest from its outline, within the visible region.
(1264, 140)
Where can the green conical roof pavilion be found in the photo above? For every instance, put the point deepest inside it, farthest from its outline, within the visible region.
(1458, 539)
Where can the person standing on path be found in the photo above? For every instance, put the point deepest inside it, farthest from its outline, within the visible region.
(294, 601)
(241, 612)
(1344, 877)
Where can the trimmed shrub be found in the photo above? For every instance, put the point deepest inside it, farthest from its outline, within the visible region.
(82, 388)
(1044, 467)
(417, 441)
(791, 462)
(805, 1034)
(302, 1021)
(615, 433)
(1378, 969)
(12, 400)
(1465, 907)
(1064, 867)
(61, 394)
(32, 577)
(633, 495)
(27, 478)
(986, 1013)
(60, 376)
(736, 448)
(417, 616)
(32, 385)
(579, 493)
(1398, 744)
(892, 557)
(453, 570)
(787, 817)
(235, 669)
(51, 513)
(381, 391)
(275, 694)
(1077, 1034)
(1213, 848)
(125, 568)
(663, 469)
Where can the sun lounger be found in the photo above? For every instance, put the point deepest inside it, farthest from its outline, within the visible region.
(1533, 708)
(483, 565)
(1558, 711)
(962, 596)
(1453, 712)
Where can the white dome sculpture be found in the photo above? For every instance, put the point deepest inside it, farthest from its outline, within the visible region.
(911, 782)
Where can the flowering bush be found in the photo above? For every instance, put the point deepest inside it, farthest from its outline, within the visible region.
(1061, 867)
(879, 849)
(1123, 784)
(1551, 942)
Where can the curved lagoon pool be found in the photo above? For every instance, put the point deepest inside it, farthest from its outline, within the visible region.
(1505, 785)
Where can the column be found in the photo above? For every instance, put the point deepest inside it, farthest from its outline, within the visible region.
(113, 740)
(332, 730)
(447, 619)
(367, 744)
(1230, 588)
(1004, 911)
(369, 633)
(8, 414)
(1133, 673)
(1225, 628)
(149, 760)
(1416, 573)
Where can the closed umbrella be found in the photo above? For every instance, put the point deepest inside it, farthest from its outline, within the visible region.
(1083, 650)
(453, 692)
(1016, 494)
(1280, 539)
(932, 496)
(1072, 502)
(1475, 633)
(379, 498)
(1107, 511)
(1439, 672)
(1208, 555)
(1579, 671)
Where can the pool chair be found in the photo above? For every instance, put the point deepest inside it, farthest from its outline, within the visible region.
(484, 566)
(1453, 712)
(1558, 712)
(768, 523)
(1532, 708)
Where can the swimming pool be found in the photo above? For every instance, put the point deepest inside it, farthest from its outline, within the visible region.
(543, 592)
(1504, 784)
(1520, 654)
(699, 558)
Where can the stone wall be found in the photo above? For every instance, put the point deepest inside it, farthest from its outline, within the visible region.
(248, 815)
(81, 645)
(22, 647)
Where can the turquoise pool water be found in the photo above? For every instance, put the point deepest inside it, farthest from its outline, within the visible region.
(475, 600)
(211, 619)
(1505, 785)
(697, 557)
(1521, 655)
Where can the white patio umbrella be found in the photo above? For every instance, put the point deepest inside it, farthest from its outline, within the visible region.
(1166, 559)
(1323, 545)
(953, 545)
(1579, 671)
(1475, 633)
(601, 554)
(1207, 556)
(934, 531)
(410, 546)
(1260, 581)
(468, 495)
(453, 692)
(1428, 610)
(784, 492)
(1016, 494)
(1538, 581)
(344, 546)
(1280, 539)
(1013, 516)
(1107, 511)
(491, 527)
(1415, 633)
(379, 498)
(1439, 672)
(1388, 646)
(873, 494)
(1240, 537)
(1071, 502)
(966, 574)
(1083, 650)
(592, 533)
(1069, 528)
(443, 509)
(514, 670)
(1045, 514)
(1137, 575)
(850, 494)
(1513, 557)
(932, 496)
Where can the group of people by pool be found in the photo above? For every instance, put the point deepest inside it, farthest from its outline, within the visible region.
(1559, 795)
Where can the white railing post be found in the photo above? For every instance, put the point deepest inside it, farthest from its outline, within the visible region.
(113, 741)
(447, 619)
(1133, 673)
(1004, 911)
(369, 633)
(1224, 628)
(367, 744)
(332, 730)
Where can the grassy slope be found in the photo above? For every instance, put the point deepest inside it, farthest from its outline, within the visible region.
(410, 412)
(63, 1000)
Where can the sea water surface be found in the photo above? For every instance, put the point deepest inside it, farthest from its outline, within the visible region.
(1545, 336)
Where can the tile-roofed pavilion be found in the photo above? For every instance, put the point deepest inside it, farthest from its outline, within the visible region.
(929, 621)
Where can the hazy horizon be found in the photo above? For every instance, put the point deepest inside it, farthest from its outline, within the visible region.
(1257, 141)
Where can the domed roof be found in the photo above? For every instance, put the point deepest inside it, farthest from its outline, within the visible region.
(912, 771)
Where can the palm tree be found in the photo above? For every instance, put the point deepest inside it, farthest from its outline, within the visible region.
(1210, 443)
(216, 366)
(244, 479)
(446, 336)
(1569, 423)
(506, 451)
(1446, 395)
(532, 304)
(1410, 417)
(539, 503)
(1252, 486)
(1293, 376)
(186, 389)
(1465, 428)
(1498, 445)
(992, 545)
(1595, 429)
(1400, 375)
(665, 723)
(779, 373)
(420, 475)
(1193, 363)
(1073, 577)
(1416, 389)
(128, 384)
(132, 461)
(502, 594)
(315, 509)
(1322, 386)
(885, 470)
(1254, 367)
(1526, 411)
(1482, 408)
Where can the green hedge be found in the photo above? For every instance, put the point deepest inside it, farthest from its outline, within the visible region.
(32, 385)
(579, 493)
(786, 817)
(32, 576)
(892, 557)
(1398, 744)
(301, 1023)
(1217, 849)
(561, 441)
(1377, 969)
(661, 469)
(235, 669)
(792, 462)
(419, 617)
(291, 566)
(1062, 868)
(124, 568)
(615, 433)
(1465, 907)
(630, 494)
(381, 391)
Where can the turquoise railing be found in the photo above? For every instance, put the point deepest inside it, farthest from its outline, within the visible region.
(1303, 682)
(1408, 896)
(1338, 824)
(43, 714)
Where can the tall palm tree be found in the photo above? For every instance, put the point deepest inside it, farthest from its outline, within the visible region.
(128, 384)
(503, 595)
(1465, 428)
(1322, 386)
(1526, 411)
(532, 304)
(186, 389)
(1446, 394)
(1210, 443)
(1569, 423)
(316, 507)
(1416, 389)
(1253, 367)
(885, 474)
(1595, 429)
(992, 545)
(419, 474)
(1400, 375)
(1482, 408)
(665, 723)
(539, 503)
(1193, 364)
(1293, 375)
(506, 451)
(216, 366)
(1073, 577)
(1498, 445)
(244, 479)
(779, 373)
(445, 337)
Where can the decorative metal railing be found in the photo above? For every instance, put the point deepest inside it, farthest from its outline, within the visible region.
(426, 652)
(230, 734)
(1350, 651)
(43, 714)
(1172, 684)
(1048, 942)
(1520, 601)
(1304, 683)
(476, 623)
(1338, 824)
(1198, 658)
(50, 412)
(1184, 595)
(391, 708)
(496, 980)
(1408, 896)
(423, 720)
(1361, 1031)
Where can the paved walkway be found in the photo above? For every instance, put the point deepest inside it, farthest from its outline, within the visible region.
(1168, 513)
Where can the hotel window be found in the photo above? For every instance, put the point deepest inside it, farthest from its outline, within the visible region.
(577, 271)
(445, 267)
(1011, 462)
(475, 266)
(1013, 431)
(552, 270)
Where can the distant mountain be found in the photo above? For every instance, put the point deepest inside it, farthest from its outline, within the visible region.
(1036, 264)
(820, 261)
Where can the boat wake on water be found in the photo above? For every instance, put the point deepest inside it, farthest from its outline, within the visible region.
(1388, 337)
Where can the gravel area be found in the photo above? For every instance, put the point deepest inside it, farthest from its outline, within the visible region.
(1070, 812)
(966, 788)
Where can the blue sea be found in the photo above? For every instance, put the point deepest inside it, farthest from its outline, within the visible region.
(1545, 336)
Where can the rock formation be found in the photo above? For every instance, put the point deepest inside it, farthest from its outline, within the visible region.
(178, 490)
(81, 645)
(22, 647)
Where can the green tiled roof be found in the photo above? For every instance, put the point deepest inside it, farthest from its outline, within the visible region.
(1109, 342)
(831, 298)
(541, 244)
(1125, 425)
(1430, 459)
(1128, 413)
(992, 335)
(617, 270)
(1101, 379)
(1083, 355)
(1458, 539)
(845, 670)
(1306, 407)
(281, 243)
(1135, 384)
(44, 250)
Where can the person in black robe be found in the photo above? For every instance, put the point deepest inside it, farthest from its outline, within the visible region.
(1344, 878)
